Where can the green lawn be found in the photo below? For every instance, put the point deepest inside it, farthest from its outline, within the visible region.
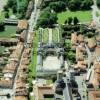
(1, 16)
(9, 32)
(55, 35)
(83, 16)
(45, 35)
(32, 66)
(2, 49)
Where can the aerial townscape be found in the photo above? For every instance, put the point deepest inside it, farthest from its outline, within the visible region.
(49, 49)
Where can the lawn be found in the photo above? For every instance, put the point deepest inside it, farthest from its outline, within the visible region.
(1, 16)
(10, 31)
(83, 16)
(45, 36)
(32, 65)
(2, 49)
(55, 35)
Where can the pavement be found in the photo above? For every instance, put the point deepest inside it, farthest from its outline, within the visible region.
(2, 3)
(81, 86)
(95, 9)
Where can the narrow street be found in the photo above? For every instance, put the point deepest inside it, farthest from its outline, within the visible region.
(95, 9)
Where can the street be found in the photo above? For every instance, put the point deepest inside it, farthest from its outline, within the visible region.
(95, 9)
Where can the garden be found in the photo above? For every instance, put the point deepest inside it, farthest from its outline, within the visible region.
(9, 32)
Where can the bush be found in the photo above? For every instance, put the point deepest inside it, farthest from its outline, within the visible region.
(75, 20)
(58, 6)
(70, 20)
(74, 5)
(6, 8)
(47, 19)
(2, 26)
(98, 3)
(6, 15)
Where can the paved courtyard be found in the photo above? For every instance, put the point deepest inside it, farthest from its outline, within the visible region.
(51, 63)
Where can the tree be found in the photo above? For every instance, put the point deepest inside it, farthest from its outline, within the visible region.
(47, 19)
(58, 6)
(70, 20)
(71, 56)
(86, 4)
(67, 44)
(74, 4)
(75, 20)
(6, 15)
(65, 21)
(11, 3)
(98, 3)
(8, 95)
(14, 9)
(2, 26)
(90, 34)
(6, 8)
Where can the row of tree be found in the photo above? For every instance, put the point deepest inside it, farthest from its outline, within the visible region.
(2, 26)
(71, 20)
(73, 5)
(80, 4)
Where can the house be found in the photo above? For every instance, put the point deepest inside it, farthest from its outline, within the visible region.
(91, 42)
(94, 95)
(80, 38)
(20, 98)
(43, 91)
(96, 75)
(97, 50)
(22, 25)
(79, 53)
(74, 38)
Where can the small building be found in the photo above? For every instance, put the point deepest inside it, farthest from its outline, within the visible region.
(74, 38)
(22, 25)
(94, 95)
(91, 42)
(44, 92)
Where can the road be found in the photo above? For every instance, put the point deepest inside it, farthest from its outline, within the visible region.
(89, 55)
(33, 19)
(67, 92)
(81, 87)
(32, 24)
(96, 19)
(2, 3)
